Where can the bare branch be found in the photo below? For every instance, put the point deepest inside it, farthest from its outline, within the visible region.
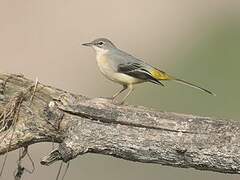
(81, 125)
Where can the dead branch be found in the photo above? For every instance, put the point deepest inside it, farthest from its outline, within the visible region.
(81, 125)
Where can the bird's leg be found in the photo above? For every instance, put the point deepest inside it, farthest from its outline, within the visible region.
(119, 92)
(129, 92)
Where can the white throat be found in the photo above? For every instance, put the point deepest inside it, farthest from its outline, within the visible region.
(99, 51)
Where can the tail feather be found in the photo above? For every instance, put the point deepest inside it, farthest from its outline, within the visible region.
(161, 76)
(193, 86)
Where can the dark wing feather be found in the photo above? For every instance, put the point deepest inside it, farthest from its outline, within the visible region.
(137, 71)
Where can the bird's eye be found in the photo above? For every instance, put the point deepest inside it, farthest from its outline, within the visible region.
(100, 43)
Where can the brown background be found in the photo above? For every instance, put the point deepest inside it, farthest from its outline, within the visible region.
(195, 40)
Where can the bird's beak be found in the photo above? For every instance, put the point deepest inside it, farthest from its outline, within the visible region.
(87, 44)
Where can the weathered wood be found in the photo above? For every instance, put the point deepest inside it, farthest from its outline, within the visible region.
(81, 125)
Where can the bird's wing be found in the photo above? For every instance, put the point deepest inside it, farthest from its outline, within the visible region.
(132, 66)
(137, 70)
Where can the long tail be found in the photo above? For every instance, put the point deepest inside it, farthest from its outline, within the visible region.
(161, 75)
(193, 86)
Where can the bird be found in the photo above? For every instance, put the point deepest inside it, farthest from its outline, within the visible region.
(127, 70)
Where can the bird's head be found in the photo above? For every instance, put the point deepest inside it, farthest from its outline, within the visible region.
(100, 45)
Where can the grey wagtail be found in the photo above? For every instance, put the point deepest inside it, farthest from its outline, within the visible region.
(127, 70)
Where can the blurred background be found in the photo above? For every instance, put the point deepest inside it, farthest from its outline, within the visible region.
(198, 41)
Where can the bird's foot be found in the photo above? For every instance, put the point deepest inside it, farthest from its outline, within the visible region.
(112, 100)
(103, 100)
(107, 98)
(118, 103)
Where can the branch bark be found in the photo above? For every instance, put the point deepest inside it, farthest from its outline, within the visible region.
(81, 125)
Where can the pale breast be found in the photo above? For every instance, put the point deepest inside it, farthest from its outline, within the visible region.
(108, 71)
(104, 66)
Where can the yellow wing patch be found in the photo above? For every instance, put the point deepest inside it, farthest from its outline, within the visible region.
(160, 75)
